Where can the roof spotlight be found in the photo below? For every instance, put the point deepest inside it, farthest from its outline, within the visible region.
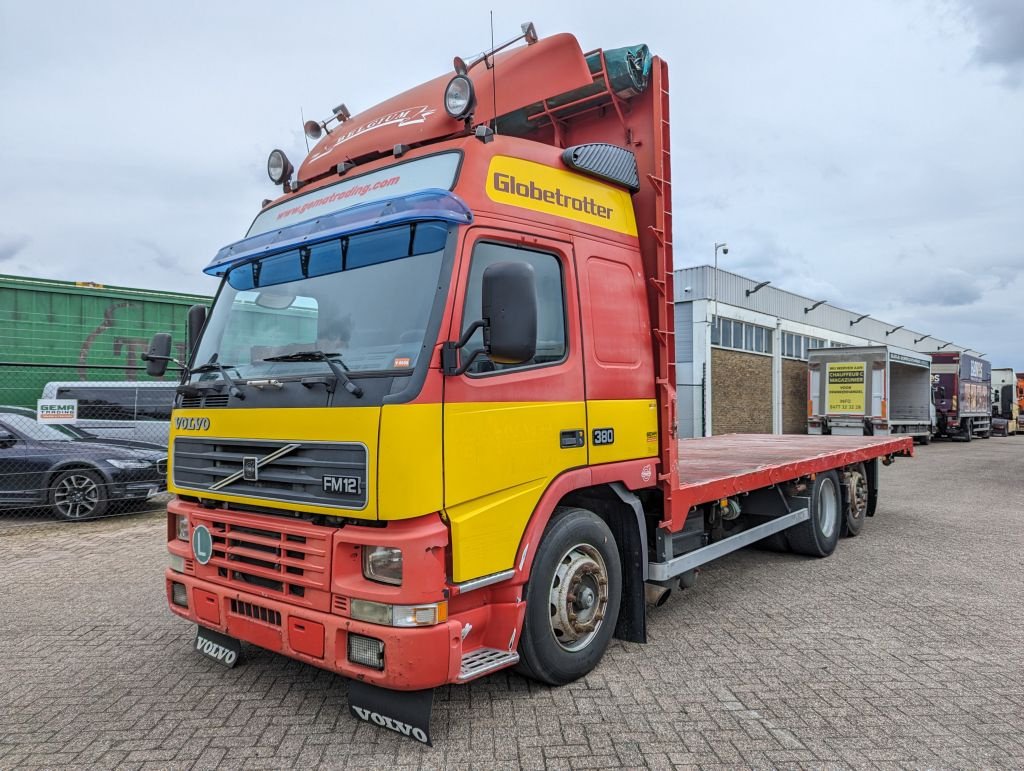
(459, 97)
(279, 168)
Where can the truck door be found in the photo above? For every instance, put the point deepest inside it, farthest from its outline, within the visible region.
(510, 430)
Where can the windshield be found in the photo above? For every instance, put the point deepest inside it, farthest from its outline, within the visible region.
(366, 297)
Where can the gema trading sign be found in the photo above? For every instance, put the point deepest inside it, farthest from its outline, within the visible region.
(846, 386)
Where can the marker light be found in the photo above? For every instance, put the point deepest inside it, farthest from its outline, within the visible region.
(279, 168)
(459, 97)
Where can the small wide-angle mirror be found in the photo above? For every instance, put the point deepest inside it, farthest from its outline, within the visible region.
(275, 298)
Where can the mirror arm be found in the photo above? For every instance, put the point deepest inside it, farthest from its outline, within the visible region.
(146, 357)
(450, 350)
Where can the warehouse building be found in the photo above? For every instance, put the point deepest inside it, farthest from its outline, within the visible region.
(741, 351)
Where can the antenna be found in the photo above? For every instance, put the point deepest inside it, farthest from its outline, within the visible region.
(302, 117)
(494, 83)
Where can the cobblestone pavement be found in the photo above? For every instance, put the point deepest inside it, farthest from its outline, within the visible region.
(904, 649)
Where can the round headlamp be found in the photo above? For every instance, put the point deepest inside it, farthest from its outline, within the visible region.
(279, 168)
(459, 97)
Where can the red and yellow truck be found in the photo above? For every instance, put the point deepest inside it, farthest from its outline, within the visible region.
(428, 429)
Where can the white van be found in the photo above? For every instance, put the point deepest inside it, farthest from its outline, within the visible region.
(119, 409)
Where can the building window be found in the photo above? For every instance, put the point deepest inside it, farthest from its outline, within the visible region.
(740, 336)
(796, 346)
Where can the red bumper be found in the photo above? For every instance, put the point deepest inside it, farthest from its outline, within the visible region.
(414, 659)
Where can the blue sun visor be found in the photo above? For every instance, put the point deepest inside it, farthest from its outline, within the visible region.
(434, 204)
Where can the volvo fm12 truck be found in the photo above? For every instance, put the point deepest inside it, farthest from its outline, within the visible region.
(962, 387)
(869, 390)
(428, 429)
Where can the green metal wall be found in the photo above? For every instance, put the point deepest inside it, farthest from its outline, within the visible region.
(61, 330)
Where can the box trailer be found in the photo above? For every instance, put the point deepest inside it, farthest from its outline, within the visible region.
(870, 391)
(962, 388)
(1004, 398)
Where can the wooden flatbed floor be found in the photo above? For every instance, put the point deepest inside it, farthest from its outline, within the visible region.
(719, 466)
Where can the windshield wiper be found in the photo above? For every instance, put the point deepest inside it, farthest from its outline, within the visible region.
(215, 366)
(332, 360)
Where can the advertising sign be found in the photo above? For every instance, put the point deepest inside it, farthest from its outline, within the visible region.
(62, 411)
(846, 386)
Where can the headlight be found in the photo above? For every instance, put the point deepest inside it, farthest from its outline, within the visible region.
(181, 526)
(121, 463)
(428, 614)
(459, 97)
(382, 564)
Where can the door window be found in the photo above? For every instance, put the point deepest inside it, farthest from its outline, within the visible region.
(551, 321)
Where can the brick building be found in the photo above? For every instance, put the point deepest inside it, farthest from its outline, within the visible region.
(741, 351)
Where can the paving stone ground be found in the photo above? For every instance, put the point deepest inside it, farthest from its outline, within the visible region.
(905, 649)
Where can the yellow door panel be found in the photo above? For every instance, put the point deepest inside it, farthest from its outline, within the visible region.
(499, 459)
(410, 470)
(635, 426)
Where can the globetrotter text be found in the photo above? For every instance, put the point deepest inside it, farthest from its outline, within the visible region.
(506, 183)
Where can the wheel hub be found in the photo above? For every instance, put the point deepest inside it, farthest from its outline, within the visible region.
(858, 494)
(578, 597)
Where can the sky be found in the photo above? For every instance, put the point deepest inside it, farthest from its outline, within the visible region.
(868, 153)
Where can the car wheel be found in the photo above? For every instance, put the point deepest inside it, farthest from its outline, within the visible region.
(572, 599)
(78, 494)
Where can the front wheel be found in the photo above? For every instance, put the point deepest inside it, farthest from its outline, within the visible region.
(572, 598)
(818, 536)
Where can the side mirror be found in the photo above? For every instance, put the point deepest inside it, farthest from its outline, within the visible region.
(196, 320)
(509, 305)
(7, 438)
(158, 355)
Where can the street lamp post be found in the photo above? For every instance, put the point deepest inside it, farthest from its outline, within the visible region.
(725, 250)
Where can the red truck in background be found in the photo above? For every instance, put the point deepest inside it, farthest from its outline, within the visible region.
(962, 389)
(428, 430)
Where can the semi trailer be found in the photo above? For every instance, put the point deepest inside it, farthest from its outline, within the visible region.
(962, 388)
(428, 429)
(869, 391)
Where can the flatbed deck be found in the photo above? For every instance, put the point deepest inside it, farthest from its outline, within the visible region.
(716, 467)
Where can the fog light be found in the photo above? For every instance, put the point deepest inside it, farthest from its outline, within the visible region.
(367, 651)
(177, 564)
(459, 97)
(179, 594)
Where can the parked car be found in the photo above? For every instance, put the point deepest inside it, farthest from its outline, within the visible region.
(73, 473)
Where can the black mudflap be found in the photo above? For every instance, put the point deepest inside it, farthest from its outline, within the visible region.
(219, 647)
(405, 712)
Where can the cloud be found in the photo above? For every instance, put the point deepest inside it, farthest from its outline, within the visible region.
(1000, 29)
(11, 245)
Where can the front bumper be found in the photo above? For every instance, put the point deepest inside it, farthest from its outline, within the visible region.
(414, 659)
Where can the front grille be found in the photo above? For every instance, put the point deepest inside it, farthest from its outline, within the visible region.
(330, 474)
(256, 612)
(277, 558)
(195, 401)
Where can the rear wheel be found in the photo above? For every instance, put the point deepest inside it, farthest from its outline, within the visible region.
(817, 537)
(968, 431)
(855, 500)
(572, 598)
(78, 494)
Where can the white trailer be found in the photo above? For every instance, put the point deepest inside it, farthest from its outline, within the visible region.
(869, 390)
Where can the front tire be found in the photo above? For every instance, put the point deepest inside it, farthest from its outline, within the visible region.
(78, 494)
(818, 536)
(572, 598)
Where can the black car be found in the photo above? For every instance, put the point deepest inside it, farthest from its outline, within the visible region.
(73, 473)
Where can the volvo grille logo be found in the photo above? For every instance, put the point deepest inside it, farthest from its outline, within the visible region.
(251, 465)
